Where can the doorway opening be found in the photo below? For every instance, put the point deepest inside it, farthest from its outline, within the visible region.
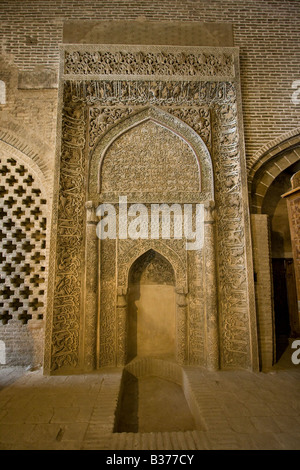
(284, 284)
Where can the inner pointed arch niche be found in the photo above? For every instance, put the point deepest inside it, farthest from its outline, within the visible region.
(151, 307)
(148, 158)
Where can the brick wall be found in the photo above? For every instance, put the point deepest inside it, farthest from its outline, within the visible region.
(263, 288)
(267, 32)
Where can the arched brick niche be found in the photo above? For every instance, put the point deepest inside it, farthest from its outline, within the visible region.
(151, 303)
(268, 164)
(23, 259)
(267, 174)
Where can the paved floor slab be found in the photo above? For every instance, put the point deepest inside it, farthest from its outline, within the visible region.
(239, 410)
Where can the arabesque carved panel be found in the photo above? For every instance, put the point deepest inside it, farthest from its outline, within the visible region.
(138, 62)
(149, 158)
(70, 236)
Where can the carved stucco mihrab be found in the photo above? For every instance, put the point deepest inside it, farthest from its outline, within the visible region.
(188, 95)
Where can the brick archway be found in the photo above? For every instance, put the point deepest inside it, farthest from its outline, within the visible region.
(25, 217)
(269, 164)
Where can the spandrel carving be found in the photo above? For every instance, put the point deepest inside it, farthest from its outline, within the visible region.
(197, 118)
(100, 118)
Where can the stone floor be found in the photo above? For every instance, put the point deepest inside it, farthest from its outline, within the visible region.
(239, 410)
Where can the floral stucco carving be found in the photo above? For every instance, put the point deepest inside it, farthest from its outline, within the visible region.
(138, 62)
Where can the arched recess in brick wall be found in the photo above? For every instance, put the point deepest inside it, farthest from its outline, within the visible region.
(37, 153)
(268, 179)
(25, 211)
(268, 163)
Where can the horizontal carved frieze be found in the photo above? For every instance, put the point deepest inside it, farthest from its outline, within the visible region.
(142, 92)
(162, 63)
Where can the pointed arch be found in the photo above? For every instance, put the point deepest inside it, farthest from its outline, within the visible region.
(170, 123)
(178, 264)
(25, 159)
(283, 142)
(151, 317)
(35, 153)
(157, 261)
(269, 164)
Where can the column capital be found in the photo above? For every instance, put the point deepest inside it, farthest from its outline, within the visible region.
(209, 212)
(90, 212)
(121, 291)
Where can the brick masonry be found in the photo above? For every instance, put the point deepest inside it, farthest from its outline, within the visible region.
(266, 31)
(293, 203)
(263, 287)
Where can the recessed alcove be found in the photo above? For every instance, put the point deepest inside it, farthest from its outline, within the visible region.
(151, 307)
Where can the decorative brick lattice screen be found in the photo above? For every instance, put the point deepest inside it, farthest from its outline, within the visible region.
(22, 256)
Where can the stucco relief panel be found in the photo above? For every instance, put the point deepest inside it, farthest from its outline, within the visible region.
(149, 158)
(70, 235)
